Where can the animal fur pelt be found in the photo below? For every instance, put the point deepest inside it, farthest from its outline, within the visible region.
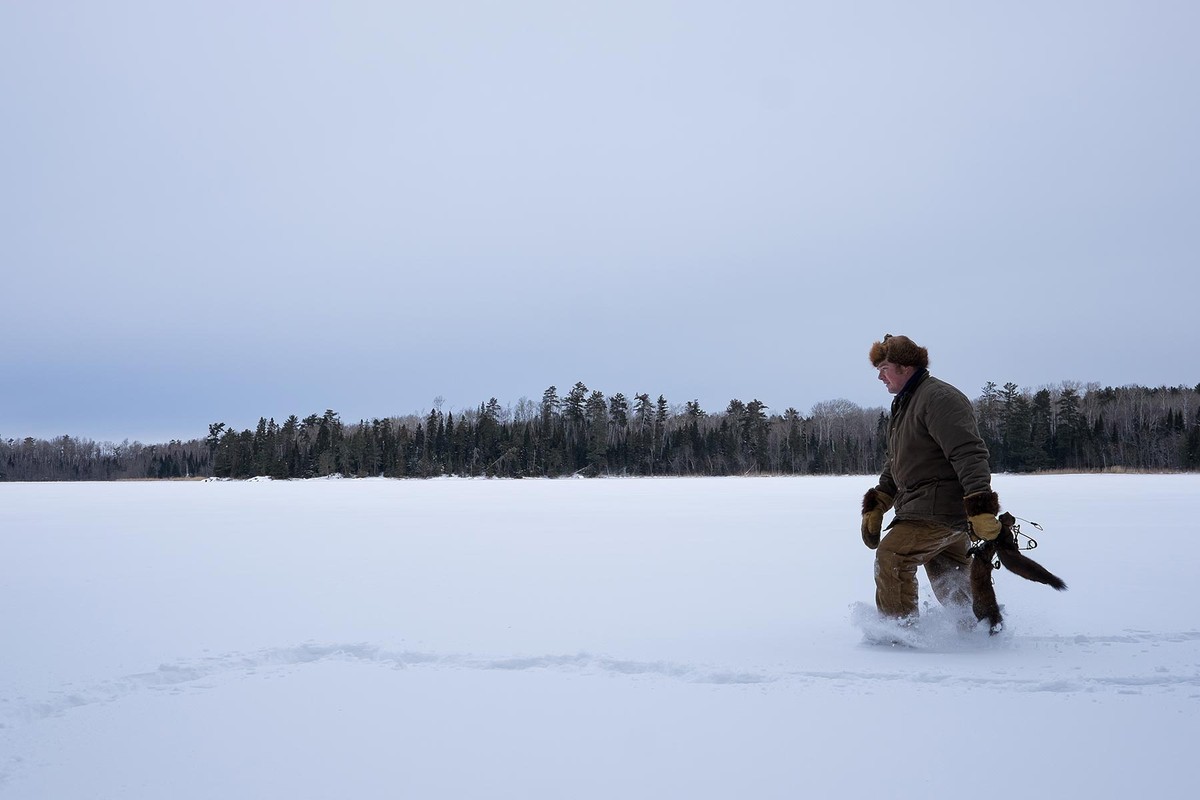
(1004, 547)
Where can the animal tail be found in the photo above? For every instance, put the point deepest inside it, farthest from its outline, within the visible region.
(1016, 562)
(1019, 564)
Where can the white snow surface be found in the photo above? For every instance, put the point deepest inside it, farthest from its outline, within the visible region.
(613, 638)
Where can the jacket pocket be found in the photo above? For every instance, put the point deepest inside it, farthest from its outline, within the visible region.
(921, 500)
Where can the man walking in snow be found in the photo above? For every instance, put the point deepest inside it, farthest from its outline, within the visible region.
(936, 477)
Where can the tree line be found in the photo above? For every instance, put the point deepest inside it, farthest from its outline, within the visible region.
(588, 433)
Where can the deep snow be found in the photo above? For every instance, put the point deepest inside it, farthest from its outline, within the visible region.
(690, 638)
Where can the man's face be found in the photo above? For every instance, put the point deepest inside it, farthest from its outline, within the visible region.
(894, 376)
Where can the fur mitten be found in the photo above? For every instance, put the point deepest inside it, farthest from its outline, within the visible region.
(874, 504)
(982, 509)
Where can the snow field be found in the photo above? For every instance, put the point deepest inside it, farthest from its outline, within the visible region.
(577, 638)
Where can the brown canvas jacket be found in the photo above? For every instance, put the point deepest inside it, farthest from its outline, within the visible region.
(935, 455)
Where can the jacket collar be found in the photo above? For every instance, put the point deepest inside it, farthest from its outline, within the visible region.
(902, 396)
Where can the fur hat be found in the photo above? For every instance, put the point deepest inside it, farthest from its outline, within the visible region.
(899, 350)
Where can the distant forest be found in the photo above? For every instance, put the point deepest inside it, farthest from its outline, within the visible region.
(586, 433)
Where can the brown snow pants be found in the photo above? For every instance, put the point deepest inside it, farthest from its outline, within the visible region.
(913, 543)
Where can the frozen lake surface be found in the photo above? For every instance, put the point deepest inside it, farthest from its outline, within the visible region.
(670, 638)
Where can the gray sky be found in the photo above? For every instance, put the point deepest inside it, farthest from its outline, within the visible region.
(216, 211)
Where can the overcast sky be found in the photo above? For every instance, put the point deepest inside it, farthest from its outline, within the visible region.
(216, 211)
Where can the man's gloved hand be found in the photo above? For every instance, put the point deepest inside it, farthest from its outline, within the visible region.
(874, 504)
(982, 510)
